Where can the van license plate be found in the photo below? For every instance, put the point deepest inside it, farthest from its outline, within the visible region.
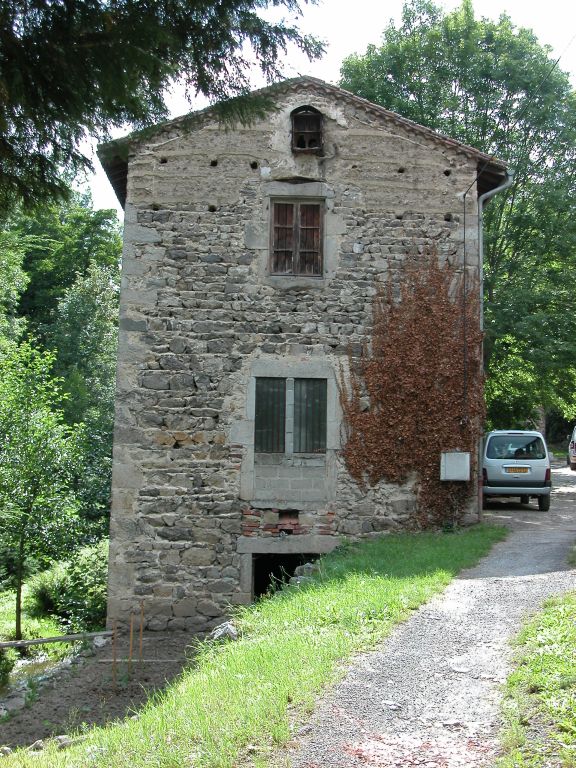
(517, 470)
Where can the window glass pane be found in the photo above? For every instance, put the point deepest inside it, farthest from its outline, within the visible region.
(270, 416)
(524, 447)
(310, 415)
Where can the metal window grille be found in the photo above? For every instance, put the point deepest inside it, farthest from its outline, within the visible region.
(270, 416)
(310, 415)
(307, 417)
(296, 238)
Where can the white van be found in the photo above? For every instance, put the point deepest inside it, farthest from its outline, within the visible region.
(516, 463)
(571, 457)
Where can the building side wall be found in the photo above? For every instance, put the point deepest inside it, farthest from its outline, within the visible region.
(201, 318)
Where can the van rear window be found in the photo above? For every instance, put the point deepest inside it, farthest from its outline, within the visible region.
(529, 447)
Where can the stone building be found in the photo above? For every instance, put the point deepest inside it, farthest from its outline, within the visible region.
(251, 257)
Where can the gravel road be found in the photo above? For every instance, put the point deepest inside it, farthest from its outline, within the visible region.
(430, 695)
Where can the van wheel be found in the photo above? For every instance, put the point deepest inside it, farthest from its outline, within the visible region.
(543, 503)
(573, 466)
(524, 499)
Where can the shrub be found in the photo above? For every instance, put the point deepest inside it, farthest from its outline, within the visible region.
(46, 591)
(74, 590)
(87, 587)
(6, 665)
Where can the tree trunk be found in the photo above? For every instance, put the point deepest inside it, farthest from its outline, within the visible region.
(19, 583)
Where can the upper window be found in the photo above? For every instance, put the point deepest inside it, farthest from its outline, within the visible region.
(296, 236)
(307, 130)
(290, 415)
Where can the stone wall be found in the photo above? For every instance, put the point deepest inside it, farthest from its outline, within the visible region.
(201, 318)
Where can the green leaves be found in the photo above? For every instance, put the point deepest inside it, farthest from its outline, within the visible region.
(39, 458)
(494, 86)
(59, 242)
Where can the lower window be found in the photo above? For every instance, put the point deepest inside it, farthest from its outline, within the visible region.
(290, 415)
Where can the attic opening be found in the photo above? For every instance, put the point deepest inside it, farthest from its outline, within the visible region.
(306, 130)
(272, 571)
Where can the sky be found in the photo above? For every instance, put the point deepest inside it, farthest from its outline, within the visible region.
(345, 32)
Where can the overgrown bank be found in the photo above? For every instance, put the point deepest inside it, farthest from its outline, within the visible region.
(540, 705)
(242, 697)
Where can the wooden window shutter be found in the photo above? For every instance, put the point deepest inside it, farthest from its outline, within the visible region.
(296, 239)
(283, 239)
(310, 240)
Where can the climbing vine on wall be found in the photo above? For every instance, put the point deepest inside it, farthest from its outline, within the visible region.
(417, 389)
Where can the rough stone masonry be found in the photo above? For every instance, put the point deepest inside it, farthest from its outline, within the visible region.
(208, 319)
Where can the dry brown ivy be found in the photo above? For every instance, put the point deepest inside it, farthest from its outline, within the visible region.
(417, 389)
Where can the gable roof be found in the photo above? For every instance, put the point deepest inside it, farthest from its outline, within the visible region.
(114, 154)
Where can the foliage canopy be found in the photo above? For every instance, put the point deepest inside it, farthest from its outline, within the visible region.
(68, 70)
(493, 86)
(38, 462)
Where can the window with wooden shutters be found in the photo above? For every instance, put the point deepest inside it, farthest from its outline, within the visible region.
(296, 236)
(290, 415)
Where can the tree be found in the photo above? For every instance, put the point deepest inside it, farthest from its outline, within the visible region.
(494, 87)
(38, 461)
(60, 242)
(84, 335)
(14, 281)
(68, 70)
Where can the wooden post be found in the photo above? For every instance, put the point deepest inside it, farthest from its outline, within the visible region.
(131, 644)
(114, 677)
(140, 655)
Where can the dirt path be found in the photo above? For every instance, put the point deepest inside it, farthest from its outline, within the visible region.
(430, 696)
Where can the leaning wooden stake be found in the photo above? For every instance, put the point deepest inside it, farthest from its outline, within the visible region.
(131, 645)
(114, 678)
(140, 656)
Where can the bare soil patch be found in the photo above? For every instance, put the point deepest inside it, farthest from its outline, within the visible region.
(85, 694)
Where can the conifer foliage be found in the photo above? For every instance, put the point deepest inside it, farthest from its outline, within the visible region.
(76, 68)
(417, 389)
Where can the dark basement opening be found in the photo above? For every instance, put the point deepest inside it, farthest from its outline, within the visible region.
(277, 569)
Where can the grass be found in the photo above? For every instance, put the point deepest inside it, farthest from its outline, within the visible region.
(32, 627)
(241, 699)
(540, 703)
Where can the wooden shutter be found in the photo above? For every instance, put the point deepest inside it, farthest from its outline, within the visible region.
(310, 415)
(296, 239)
(282, 260)
(310, 240)
(270, 415)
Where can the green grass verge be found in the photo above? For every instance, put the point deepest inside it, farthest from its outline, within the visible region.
(241, 698)
(540, 702)
(32, 627)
